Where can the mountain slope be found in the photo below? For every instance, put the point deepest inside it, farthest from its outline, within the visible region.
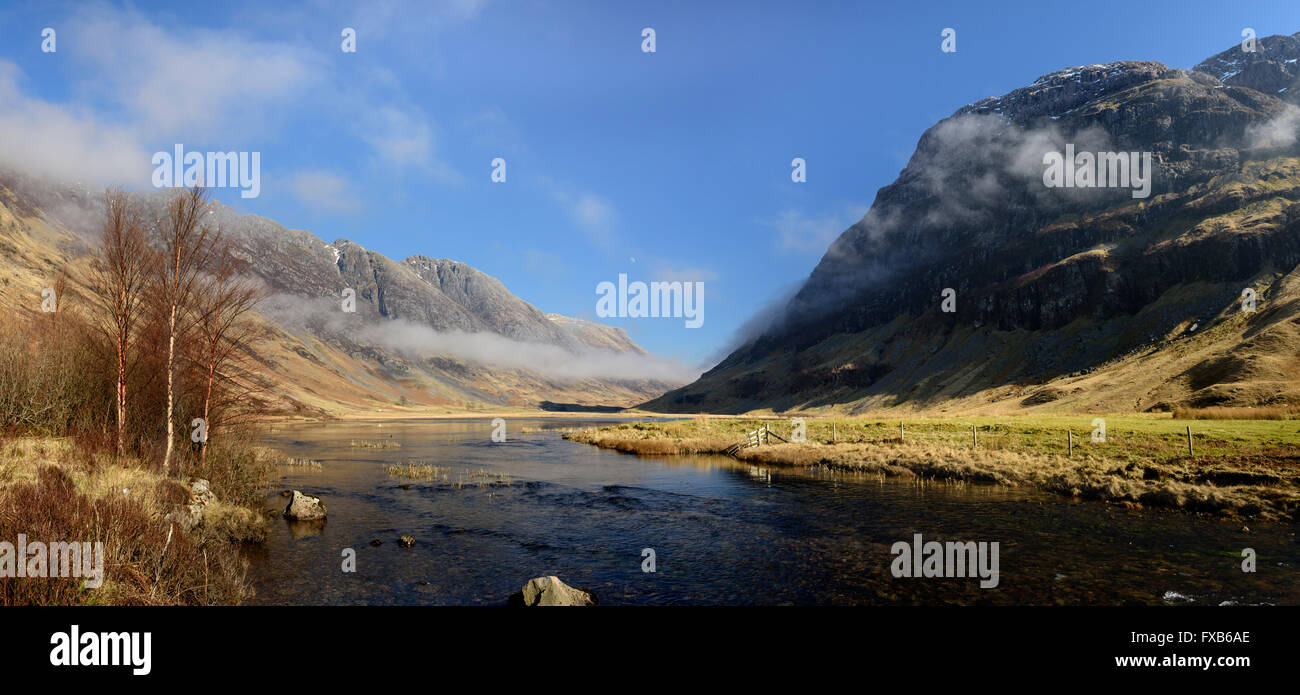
(425, 332)
(1065, 298)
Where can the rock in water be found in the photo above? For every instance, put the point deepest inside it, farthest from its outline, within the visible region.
(406, 541)
(304, 508)
(550, 591)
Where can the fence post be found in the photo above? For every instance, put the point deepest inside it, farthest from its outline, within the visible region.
(1189, 441)
(835, 433)
(900, 430)
(1070, 437)
(974, 438)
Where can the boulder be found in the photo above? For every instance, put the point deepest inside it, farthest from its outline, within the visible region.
(304, 508)
(200, 494)
(189, 517)
(550, 591)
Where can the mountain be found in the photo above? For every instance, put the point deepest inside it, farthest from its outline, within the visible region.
(1078, 299)
(425, 332)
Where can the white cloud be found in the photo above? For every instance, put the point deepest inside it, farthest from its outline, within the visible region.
(197, 84)
(416, 341)
(324, 190)
(1280, 131)
(800, 233)
(406, 138)
(145, 86)
(592, 213)
(40, 138)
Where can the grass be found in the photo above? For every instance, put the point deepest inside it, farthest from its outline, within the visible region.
(52, 489)
(1267, 412)
(375, 444)
(1238, 467)
(415, 470)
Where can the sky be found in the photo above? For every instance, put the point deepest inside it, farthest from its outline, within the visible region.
(662, 166)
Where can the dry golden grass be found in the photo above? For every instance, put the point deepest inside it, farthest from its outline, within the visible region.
(1263, 412)
(51, 490)
(1246, 469)
(415, 470)
(375, 444)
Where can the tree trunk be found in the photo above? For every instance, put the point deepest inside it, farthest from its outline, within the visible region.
(121, 399)
(171, 353)
(207, 424)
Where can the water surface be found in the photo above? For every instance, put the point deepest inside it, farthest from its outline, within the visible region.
(723, 532)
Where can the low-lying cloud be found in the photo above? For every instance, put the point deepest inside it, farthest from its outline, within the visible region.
(414, 341)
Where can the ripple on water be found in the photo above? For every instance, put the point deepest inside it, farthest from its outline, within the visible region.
(723, 532)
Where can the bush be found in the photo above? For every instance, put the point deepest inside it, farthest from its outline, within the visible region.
(146, 560)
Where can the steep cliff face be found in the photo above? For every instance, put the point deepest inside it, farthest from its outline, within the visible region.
(425, 331)
(1053, 284)
(1271, 68)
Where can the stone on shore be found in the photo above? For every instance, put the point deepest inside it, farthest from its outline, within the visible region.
(550, 591)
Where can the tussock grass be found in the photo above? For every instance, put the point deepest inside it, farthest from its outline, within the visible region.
(1264, 412)
(1249, 468)
(51, 491)
(484, 478)
(415, 470)
(375, 444)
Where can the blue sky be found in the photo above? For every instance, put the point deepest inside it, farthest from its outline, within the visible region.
(666, 165)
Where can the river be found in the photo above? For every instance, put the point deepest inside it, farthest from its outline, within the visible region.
(721, 532)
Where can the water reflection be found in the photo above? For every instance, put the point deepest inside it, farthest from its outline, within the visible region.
(723, 531)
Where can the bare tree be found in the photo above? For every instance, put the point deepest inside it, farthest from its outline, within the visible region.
(224, 306)
(118, 278)
(185, 254)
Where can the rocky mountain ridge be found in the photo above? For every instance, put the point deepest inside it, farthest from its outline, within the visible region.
(1056, 284)
(425, 331)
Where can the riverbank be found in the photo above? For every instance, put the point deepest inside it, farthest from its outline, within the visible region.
(1247, 469)
(165, 540)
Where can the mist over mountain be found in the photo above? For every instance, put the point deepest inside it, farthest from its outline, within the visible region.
(424, 331)
(1065, 297)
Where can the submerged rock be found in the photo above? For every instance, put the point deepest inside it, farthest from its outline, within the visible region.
(305, 529)
(304, 508)
(550, 591)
